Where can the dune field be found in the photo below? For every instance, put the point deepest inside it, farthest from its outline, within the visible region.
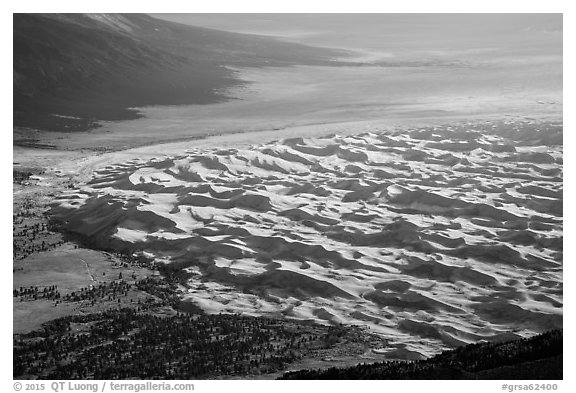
(432, 237)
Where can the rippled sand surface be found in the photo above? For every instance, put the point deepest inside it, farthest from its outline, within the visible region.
(433, 237)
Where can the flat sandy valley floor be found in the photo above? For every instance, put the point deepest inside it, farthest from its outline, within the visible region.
(422, 201)
(326, 100)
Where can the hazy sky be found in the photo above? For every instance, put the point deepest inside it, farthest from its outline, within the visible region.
(398, 33)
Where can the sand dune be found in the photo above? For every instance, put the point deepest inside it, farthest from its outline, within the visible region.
(434, 237)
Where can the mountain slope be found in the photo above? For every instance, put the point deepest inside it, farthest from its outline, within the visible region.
(536, 358)
(71, 70)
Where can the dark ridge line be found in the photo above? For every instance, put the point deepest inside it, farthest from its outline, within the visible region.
(535, 358)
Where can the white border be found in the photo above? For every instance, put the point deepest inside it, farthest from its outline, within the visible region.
(300, 6)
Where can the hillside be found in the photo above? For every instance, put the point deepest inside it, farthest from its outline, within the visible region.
(71, 70)
(536, 358)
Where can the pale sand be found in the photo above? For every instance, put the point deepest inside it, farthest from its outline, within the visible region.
(433, 240)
